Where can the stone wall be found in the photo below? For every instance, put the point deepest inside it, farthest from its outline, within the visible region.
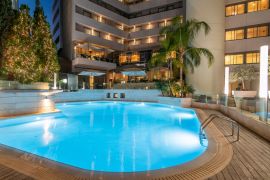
(13, 103)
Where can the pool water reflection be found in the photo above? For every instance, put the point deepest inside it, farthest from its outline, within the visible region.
(109, 136)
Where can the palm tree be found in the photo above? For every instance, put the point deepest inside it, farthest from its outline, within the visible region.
(164, 57)
(179, 38)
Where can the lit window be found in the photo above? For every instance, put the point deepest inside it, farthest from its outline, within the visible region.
(135, 57)
(234, 59)
(261, 31)
(235, 10)
(252, 58)
(259, 5)
(234, 34)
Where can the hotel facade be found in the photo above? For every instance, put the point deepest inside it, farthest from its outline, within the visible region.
(247, 28)
(110, 41)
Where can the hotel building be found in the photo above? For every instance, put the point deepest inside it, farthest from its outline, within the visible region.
(112, 40)
(15, 4)
(247, 28)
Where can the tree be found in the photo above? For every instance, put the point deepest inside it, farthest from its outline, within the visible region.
(44, 46)
(6, 17)
(19, 59)
(180, 37)
(244, 73)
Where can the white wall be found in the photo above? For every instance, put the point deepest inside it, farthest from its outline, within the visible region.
(130, 95)
(14, 103)
(209, 80)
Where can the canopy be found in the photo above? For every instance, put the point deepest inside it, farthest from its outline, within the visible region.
(91, 73)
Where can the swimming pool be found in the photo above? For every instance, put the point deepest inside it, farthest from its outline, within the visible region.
(109, 136)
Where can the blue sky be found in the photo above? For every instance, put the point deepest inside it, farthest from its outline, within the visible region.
(46, 4)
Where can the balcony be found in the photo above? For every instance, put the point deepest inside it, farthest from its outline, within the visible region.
(83, 64)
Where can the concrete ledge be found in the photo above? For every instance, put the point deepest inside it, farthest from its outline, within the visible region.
(259, 127)
(130, 95)
(14, 103)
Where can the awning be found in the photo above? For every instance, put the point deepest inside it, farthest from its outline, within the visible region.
(134, 73)
(91, 73)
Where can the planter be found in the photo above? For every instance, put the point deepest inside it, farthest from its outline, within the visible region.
(34, 86)
(183, 102)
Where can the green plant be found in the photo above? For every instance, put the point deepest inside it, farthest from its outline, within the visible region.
(164, 87)
(45, 49)
(243, 73)
(179, 39)
(19, 61)
(7, 15)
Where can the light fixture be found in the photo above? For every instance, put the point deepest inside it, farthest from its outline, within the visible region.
(227, 81)
(263, 72)
(65, 81)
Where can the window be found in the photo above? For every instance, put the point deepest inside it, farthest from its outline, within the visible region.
(235, 10)
(252, 58)
(234, 59)
(259, 5)
(254, 32)
(235, 34)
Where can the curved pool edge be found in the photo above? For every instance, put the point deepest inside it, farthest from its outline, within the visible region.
(213, 160)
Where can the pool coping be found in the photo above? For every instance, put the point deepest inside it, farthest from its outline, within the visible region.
(215, 158)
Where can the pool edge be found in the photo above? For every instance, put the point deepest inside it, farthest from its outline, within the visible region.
(213, 160)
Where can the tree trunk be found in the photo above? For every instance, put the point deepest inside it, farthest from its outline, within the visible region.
(181, 71)
(243, 84)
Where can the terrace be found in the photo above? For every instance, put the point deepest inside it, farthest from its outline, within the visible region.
(132, 108)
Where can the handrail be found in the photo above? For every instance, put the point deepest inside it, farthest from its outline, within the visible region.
(211, 117)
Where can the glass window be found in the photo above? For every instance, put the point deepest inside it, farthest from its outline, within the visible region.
(263, 31)
(234, 59)
(235, 34)
(252, 58)
(260, 31)
(235, 10)
(258, 5)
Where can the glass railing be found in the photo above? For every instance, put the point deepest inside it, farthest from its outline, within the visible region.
(245, 103)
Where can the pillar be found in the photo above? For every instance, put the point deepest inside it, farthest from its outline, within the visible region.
(209, 80)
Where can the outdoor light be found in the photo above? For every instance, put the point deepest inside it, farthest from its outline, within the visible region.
(263, 72)
(65, 81)
(227, 75)
(54, 81)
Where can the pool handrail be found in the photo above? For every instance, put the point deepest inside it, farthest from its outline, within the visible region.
(211, 117)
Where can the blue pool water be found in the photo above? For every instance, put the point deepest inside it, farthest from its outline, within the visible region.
(109, 136)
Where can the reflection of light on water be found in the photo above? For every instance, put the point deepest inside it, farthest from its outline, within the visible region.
(47, 135)
(180, 120)
(133, 151)
(122, 162)
(148, 160)
(175, 141)
(109, 158)
(141, 104)
(91, 120)
(184, 115)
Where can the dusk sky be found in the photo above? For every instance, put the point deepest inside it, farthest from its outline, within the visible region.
(46, 4)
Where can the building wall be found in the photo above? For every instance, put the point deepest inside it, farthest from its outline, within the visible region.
(69, 18)
(245, 45)
(209, 80)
